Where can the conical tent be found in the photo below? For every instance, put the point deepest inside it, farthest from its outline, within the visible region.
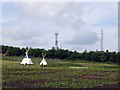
(26, 59)
(43, 62)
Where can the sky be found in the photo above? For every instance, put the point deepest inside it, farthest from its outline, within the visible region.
(79, 25)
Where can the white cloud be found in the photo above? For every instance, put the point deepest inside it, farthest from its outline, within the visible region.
(44, 10)
(61, 1)
(110, 37)
(101, 13)
(64, 14)
(19, 32)
(76, 23)
(6, 19)
(84, 37)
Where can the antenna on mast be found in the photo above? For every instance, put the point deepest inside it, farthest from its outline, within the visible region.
(56, 41)
(101, 39)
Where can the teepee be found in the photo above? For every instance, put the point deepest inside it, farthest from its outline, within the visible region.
(26, 59)
(43, 62)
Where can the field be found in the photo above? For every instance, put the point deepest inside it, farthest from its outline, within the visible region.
(58, 74)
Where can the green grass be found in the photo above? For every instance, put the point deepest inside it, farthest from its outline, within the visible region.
(57, 74)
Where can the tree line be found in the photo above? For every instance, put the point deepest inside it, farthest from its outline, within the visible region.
(98, 56)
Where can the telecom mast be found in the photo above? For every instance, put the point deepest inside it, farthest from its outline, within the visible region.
(56, 41)
(101, 39)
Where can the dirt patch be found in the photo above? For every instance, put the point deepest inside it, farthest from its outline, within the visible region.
(89, 77)
(22, 69)
(48, 72)
(19, 84)
(31, 83)
(27, 84)
(23, 84)
(21, 73)
(109, 86)
(42, 72)
(85, 77)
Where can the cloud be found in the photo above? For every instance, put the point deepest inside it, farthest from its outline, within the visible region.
(101, 14)
(110, 38)
(37, 19)
(19, 32)
(37, 42)
(7, 19)
(45, 10)
(64, 14)
(78, 24)
(84, 37)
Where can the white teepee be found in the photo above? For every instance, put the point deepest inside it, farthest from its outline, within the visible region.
(43, 62)
(26, 60)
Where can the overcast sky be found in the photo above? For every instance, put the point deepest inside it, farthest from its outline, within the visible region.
(79, 24)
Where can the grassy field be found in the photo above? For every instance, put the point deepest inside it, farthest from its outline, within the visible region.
(58, 74)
